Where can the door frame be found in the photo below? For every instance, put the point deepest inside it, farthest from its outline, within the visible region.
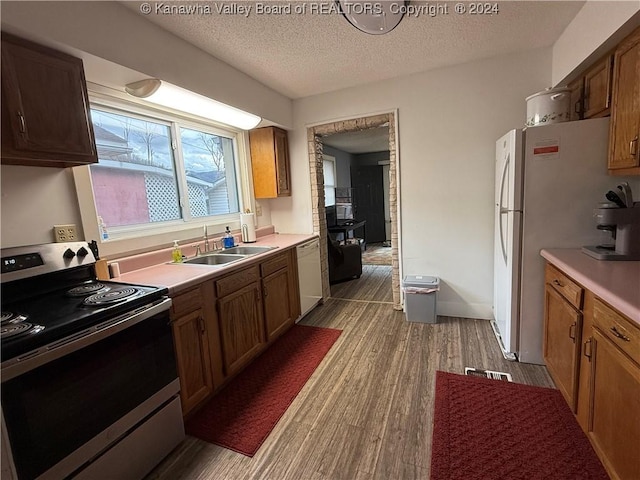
(315, 133)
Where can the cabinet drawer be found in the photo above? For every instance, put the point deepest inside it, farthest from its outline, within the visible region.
(274, 264)
(236, 281)
(186, 302)
(616, 327)
(566, 287)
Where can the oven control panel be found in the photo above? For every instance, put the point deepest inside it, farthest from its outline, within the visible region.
(24, 262)
(20, 262)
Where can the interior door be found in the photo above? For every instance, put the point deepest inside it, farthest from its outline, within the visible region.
(369, 200)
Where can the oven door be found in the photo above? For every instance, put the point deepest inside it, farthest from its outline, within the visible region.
(63, 413)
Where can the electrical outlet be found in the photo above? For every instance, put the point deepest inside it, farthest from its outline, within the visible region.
(65, 233)
(258, 210)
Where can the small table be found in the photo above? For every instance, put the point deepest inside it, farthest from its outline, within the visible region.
(347, 226)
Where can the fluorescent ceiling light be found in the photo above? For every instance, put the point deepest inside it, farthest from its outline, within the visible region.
(163, 93)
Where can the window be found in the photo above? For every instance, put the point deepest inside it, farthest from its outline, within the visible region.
(329, 171)
(158, 171)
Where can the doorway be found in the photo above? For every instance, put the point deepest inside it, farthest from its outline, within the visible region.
(315, 135)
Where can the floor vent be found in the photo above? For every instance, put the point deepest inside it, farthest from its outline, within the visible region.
(475, 372)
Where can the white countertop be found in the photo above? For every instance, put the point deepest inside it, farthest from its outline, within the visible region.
(615, 282)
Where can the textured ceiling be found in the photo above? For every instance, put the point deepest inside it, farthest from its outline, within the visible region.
(300, 55)
(363, 141)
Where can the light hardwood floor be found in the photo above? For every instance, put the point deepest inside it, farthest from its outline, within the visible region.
(366, 413)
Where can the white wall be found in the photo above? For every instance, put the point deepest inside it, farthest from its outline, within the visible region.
(449, 120)
(595, 30)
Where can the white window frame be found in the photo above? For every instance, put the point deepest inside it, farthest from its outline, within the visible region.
(332, 160)
(134, 238)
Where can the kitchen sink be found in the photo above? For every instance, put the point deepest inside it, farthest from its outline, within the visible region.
(247, 250)
(215, 259)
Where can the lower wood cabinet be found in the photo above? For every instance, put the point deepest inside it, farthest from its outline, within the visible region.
(563, 324)
(598, 372)
(614, 420)
(221, 325)
(241, 326)
(195, 335)
(281, 296)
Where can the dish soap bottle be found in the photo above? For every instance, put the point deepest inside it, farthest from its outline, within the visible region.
(227, 240)
(177, 253)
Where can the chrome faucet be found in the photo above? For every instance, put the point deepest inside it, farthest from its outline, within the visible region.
(206, 241)
(198, 252)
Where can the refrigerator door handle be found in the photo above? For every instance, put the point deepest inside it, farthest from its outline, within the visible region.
(502, 210)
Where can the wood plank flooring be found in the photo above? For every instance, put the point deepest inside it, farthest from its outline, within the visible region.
(366, 413)
(373, 285)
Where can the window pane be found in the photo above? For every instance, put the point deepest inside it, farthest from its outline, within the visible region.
(210, 170)
(134, 181)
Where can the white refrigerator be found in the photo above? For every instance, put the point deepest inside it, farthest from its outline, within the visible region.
(548, 180)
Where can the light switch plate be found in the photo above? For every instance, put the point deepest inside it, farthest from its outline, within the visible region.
(65, 233)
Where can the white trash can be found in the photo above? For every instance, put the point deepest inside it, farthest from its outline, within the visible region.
(420, 298)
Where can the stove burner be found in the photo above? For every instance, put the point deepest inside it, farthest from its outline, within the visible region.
(10, 317)
(20, 328)
(87, 289)
(110, 296)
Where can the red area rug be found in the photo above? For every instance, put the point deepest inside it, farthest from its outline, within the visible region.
(243, 414)
(487, 429)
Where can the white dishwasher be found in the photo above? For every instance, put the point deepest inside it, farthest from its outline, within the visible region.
(309, 275)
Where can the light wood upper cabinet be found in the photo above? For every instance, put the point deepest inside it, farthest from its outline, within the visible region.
(45, 107)
(577, 95)
(624, 151)
(597, 89)
(270, 162)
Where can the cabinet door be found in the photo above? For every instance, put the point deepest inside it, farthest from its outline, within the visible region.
(562, 329)
(277, 305)
(625, 107)
(614, 426)
(193, 359)
(45, 107)
(270, 162)
(241, 326)
(282, 162)
(597, 89)
(577, 90)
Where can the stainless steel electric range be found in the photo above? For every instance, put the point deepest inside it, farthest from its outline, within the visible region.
(89, 381)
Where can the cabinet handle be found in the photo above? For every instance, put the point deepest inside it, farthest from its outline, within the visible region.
(23, 125)
(265, 292)
(201, 323)
(572, 332)
(587, 353)
(257, 294)
(633, 147)
(576, 108)
(619, 334)
(558, 283)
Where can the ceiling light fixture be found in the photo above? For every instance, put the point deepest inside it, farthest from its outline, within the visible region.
(375, 18)
(163, 93)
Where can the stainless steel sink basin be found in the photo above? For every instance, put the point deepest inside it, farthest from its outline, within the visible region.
(247, 250)
(215, 259)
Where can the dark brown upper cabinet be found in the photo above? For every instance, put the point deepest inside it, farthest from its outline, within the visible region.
(45, 107)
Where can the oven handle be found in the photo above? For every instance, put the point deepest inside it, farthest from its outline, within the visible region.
(54, 350)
